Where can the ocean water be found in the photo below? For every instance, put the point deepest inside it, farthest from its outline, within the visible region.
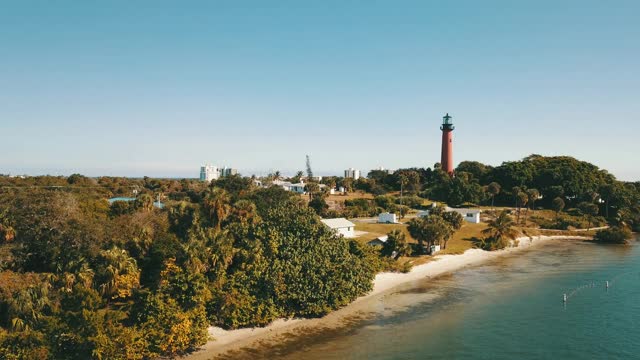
(511, 309)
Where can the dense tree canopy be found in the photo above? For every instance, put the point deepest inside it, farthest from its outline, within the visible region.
(80, 279)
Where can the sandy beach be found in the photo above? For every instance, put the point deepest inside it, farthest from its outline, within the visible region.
(225, 341)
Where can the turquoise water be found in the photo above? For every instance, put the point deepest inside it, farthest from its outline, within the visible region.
(112, 200)
(512, 309)
(157, 204)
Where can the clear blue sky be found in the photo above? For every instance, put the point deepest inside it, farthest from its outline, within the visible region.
(160, 87)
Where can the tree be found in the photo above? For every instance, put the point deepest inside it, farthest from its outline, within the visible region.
(244, 212)
(588, 210)
(312, 189)
(319, 205)
(454, 219)
(347, 183)
(145, 202)
(493, 189)
(477, 169)
(403, 180)
(607, 191)
(533, 195)
(521, 200)
(217, 203)
(430, 229)
(396, 245)
(557, 205)
(119, 274)
(403, 210)
(613, 235)
(499, 231)
(7, 233)
(515, 191)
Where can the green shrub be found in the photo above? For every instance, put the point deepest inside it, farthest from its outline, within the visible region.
(614, 235)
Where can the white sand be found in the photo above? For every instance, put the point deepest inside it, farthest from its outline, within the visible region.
(226, 340)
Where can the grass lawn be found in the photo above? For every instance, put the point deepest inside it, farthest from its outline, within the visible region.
(377, 230)
(350, 196)
(461, 240)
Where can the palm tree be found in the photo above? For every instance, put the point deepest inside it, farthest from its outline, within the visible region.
(7, 233)
(145, 201)
(521, 200)
(244, 211)
(403, 180)
(430, 229)
(217, 202)
(493, 189)
(533, 195)
(396, 244)
(501, 229)
(588, 210)
(120, 275)
(557, 205)
(312, 188)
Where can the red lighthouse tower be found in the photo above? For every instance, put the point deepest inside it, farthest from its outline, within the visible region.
(446, 160)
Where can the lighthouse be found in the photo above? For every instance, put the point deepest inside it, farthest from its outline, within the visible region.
(446, 160)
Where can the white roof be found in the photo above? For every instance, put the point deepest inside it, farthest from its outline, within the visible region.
(466, 211)
(338, 223)
(281, 183)
(383, 238)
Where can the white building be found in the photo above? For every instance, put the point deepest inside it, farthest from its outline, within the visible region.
(352, 173)
(209, 172)
(225, 171)
(380, 241)
(469, 215)
(288, 186)
(341, 226)
(387, 218)
(298, 188)
(381, 168)
(434, 249)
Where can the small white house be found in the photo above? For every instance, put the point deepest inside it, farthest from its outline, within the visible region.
(434, 249)
(387, 218)
(341, 226)
(379, 241)
(469, 215)
(298, 188)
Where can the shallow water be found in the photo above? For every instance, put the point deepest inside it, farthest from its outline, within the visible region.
(511, 309)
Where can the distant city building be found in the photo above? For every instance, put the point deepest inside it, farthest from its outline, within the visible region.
(225, 171)
(209, 172)
(388, 171)
(352, 173)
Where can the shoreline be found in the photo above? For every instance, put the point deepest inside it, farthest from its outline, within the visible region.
(225, 341)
